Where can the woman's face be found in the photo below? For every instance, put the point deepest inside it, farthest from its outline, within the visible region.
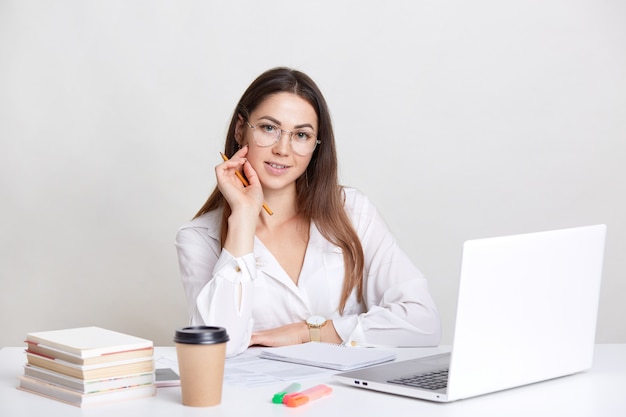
(277, 165)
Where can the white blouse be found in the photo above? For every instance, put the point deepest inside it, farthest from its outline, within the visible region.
(253, 292)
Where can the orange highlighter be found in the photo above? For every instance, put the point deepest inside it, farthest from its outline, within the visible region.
(297, 399)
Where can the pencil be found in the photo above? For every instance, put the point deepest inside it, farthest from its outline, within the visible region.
(245, 184)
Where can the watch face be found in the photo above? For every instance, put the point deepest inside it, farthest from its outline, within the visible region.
(316, 320)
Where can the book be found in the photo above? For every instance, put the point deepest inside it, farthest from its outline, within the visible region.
(97, 371)
(86, 342)
(88, 366)
(53, 353)
(327, 355)
(78, 399)
(88, 386)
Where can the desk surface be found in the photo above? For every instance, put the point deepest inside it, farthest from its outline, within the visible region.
(598, 392)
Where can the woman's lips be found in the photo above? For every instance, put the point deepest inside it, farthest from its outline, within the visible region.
(276, 167)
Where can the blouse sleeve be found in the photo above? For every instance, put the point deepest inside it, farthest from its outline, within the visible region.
(399, 309)
(217, 285)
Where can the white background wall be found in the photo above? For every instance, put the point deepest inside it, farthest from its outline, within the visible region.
(460, 119)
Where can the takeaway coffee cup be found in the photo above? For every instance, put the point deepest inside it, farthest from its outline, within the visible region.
(201, 352)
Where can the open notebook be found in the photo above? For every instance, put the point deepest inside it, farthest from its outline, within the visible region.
(327, 355)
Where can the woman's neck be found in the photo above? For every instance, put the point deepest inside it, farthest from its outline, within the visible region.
(284, 206)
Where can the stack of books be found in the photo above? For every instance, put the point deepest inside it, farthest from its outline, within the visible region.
(88, 366)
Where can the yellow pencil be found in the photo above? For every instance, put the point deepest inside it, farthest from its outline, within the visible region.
(245, 184)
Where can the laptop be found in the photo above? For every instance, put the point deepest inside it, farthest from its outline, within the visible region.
(526, 312)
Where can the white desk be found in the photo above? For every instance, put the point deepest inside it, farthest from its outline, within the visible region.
(598, 392)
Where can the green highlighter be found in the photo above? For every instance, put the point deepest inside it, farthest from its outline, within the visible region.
(278, 397)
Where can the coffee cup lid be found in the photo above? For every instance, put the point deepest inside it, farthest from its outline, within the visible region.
(201, 335)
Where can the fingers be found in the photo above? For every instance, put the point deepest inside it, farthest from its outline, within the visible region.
(229, 171)
(251, 174)
(242, 194)
(241, 153)
(234, 163)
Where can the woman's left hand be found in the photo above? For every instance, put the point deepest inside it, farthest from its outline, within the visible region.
(293, 334)
(290, 334)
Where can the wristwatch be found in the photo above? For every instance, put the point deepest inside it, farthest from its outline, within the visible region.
(315, 324)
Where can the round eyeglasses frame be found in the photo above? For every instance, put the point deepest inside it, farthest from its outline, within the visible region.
(280, 135)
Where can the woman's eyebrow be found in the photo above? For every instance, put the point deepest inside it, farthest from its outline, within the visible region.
(273, 120)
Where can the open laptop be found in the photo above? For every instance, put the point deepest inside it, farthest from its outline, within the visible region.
(526, 312)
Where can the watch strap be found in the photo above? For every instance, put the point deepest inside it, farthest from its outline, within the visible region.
(315, 333)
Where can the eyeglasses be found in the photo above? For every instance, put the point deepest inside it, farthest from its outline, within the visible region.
(303, 141)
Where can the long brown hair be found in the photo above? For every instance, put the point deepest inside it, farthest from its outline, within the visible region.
(319, 197)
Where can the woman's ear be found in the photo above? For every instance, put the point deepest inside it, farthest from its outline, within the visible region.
(239, 130)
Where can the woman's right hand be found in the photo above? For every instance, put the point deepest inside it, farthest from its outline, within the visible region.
(239, 196)
(245, 202)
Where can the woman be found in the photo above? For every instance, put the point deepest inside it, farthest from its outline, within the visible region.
(323, 266)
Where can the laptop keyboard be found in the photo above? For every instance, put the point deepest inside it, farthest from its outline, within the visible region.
(430, 380)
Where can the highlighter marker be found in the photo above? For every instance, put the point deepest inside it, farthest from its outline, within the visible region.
(278, 397)
(303, 397)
